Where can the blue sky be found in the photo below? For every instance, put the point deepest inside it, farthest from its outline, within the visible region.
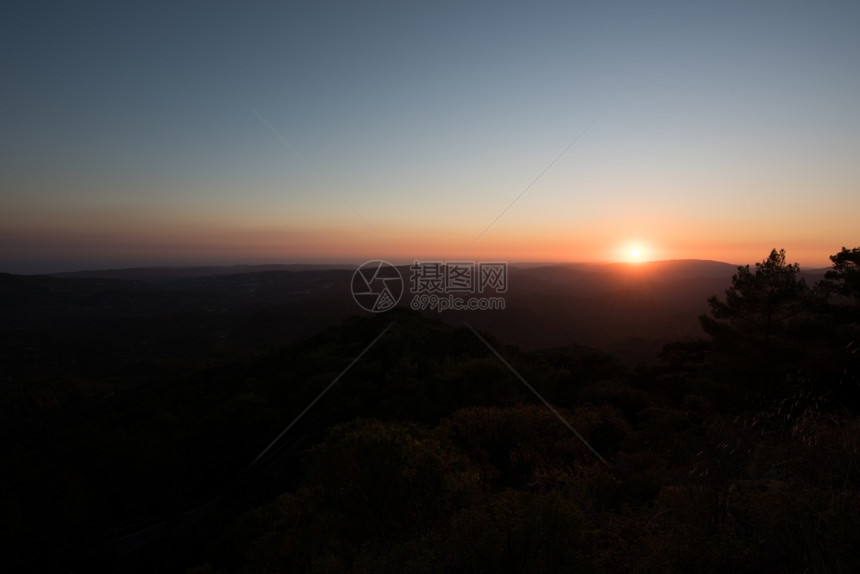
(132, 135)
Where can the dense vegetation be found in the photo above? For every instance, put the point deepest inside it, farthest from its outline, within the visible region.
(737, 451)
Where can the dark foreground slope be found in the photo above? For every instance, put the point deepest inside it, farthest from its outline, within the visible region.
(165, 427)
(395, 442)
(105, 473)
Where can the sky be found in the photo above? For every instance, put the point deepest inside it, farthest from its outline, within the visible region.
(337, 132)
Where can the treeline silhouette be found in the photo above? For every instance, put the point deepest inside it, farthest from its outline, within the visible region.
(738, 451)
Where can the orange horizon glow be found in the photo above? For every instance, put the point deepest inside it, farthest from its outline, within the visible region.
(129, 238)
(142, 247)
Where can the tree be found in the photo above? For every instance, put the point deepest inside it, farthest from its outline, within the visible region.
(844, 323)
(844, 278)
(750, 328)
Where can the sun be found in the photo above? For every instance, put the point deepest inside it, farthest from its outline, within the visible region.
(634, 252)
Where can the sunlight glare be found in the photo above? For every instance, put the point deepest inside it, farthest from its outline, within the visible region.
(634, 252)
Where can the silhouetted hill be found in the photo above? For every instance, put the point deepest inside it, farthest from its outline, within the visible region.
(49, 324)
(629, 309)
(160, 274)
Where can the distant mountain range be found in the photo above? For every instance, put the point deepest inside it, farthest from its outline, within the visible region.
(154, 274)
(628, 309)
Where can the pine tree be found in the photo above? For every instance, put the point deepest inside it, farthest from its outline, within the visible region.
(751, 328)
